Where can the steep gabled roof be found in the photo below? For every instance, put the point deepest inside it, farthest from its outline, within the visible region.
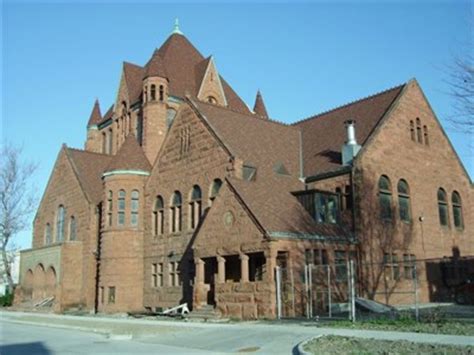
(200, 70)
(324, 134)
(95, 116)
(259, 107)
(130, 157)
(279, 212)
(259, 143)
(89, 168)
(134, 79)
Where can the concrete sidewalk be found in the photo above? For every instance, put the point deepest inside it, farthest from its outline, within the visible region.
(261, 337)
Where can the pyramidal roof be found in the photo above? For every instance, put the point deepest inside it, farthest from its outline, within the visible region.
(95, 116)
(155, 66)
(130, 157)
(259, 107)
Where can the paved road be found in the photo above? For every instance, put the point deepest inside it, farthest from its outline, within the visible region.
(43, 334)
(22, 339)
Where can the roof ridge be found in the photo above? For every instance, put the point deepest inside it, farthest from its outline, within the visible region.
(87, 151)
(250, 115)
(130, 63)
(348, 104)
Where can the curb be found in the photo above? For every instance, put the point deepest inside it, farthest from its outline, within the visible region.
(301, 345)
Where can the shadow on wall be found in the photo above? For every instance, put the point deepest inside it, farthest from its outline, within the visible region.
(36, 348)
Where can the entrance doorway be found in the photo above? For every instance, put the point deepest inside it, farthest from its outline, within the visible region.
(210, 271)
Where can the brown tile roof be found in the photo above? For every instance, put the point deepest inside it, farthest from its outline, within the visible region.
(278, 211)
(259, 107)
(155, 67)
(130, 157)
(109, 113)
(259, 143)
(134, 79)
(89, 168)
(95, 116)
(324, 134)
(200, 71)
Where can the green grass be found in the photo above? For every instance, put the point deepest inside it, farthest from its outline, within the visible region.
(331, 344)
(407, 324)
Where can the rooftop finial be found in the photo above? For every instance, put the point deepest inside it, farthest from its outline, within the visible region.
(176, 29)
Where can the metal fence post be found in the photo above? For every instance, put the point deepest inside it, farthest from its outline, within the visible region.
(353, 309)
(306, 289)
(329, 291)
(278, 289)
(293, 292)
(415, 284)
(310, 294)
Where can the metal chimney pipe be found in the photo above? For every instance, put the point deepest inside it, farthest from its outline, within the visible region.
(350, 127)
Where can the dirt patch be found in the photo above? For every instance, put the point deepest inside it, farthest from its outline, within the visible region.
(332, 344)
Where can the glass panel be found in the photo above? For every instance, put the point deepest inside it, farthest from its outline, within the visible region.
(441, 195)
(196, 194)
(443, 214)
(385, 205)
(403, 187)
(404, 204)
(134, 219)
(384, 183)
(121, 218)
(457, 215)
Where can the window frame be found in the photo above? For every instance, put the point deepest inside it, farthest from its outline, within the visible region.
(121, 207)
(443, 209)
(456, 203)
(385, 199)
(403, 193)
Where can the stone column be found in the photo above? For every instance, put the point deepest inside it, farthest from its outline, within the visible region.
(244, 268)
(270, 256)
(199, 270)
(220, 269)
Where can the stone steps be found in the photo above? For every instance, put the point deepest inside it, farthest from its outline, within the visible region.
(204, 313)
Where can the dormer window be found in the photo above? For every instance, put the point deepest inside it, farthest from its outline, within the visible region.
(212, 100)
(153, 92)
(322, 206)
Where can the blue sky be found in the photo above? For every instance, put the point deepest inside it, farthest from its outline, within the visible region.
(57, 58)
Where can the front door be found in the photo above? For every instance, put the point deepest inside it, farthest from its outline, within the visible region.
(210, 270)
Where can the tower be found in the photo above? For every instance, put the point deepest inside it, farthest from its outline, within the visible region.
(155, 97)
(93, 142)
(121, 245)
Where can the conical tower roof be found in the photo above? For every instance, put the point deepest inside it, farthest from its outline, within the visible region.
(96, 116)
(259, 107)
(130, 157)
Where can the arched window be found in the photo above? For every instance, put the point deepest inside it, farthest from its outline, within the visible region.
(104, 142)
(153, 92)
(121, 208)
(110, 203)
(158, 217)
(110, 141)
(212, 100)
(215, 187)
(162, 93)
(135, 202)
(443, 207)
(425, 133)
(145, 94)
(412, 131)
(419, 135)
(47, 234)
(457, 210)
(176, 203)
(404, 201)
(60, 224)
(385, 197)
(195, 206)
(72, 228)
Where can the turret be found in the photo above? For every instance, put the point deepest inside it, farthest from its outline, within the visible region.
(93, 142)
(155, 98)
(123, 228)
(259, 107)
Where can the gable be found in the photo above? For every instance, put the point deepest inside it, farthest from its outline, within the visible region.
(227, 228)
(189, 146)
(63, 188)
(210, 88)
(122, 94)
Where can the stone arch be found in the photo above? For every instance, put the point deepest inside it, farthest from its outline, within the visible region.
(28, 285)
(39, 278)
(50, 282)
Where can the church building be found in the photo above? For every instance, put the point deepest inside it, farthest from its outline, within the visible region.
(183, 194)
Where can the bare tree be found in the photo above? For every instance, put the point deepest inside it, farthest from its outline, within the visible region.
(461, 83)
(17, 201)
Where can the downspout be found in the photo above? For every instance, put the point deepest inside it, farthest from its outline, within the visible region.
(97, 257)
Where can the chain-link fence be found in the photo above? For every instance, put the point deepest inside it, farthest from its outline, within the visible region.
(354, 290)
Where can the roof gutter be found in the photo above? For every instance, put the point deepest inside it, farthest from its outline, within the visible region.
(341, 171)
